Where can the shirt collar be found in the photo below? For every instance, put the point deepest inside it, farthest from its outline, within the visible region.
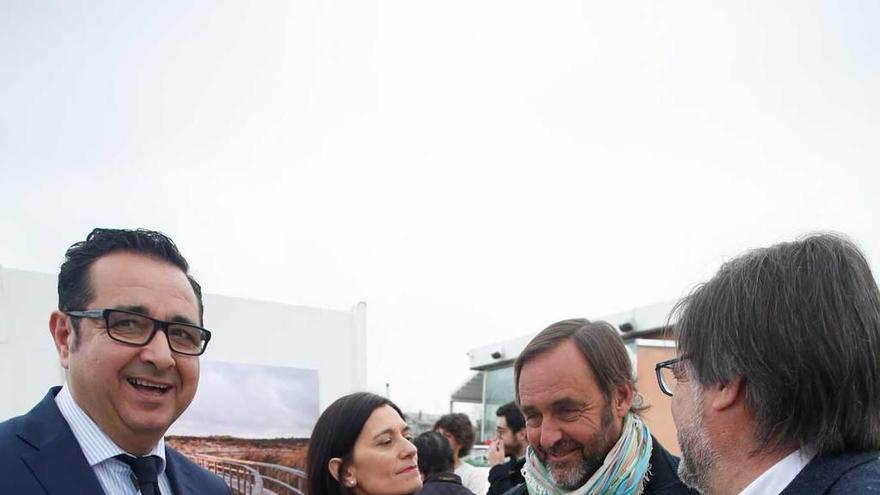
(780, 475)
(95, 444)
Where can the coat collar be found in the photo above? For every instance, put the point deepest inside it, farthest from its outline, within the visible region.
(824, 470)
(444, 478)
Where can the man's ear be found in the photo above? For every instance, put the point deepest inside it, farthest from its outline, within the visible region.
(335, 466)
(622, 399)
(62, 334)
(726, 395)
(521, 435)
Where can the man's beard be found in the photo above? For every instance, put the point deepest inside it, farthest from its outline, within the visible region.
(592, 455)
(513, 450)
(697, 457)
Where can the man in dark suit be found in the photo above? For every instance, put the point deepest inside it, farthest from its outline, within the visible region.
(777, 385)
(128, 330)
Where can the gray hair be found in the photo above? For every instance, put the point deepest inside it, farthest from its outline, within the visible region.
(799, 322)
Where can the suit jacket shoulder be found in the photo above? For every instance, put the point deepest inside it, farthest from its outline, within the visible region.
(847, 472)
(11, 448)
(39, 455)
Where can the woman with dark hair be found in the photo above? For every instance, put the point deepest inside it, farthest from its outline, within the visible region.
(361, 446)
(435, 464)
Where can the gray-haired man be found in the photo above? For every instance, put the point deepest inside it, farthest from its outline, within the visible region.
(777, 385)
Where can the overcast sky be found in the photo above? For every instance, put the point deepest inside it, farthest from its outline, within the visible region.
(474, 171)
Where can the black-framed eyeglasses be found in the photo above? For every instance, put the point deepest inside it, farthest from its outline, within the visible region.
(137, 329)
(669, 373)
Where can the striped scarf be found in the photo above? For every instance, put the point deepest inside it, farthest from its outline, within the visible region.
(624, 471)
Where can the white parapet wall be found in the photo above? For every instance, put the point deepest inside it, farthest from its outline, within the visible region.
(28, 361)
(243, 331)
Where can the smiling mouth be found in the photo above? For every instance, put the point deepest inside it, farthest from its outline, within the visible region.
(560, 456)
(149, 387)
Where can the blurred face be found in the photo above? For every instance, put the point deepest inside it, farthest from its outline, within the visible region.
(132, 393)
(569, 423)
(697, 456)
(384, 460)
(512, 442)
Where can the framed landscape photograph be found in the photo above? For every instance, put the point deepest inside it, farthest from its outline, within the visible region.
(251, 413)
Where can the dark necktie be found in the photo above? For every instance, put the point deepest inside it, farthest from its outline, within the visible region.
(145, 471)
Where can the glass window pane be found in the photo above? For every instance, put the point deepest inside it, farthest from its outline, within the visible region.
(497, 391)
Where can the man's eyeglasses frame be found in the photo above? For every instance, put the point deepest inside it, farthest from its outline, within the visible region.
(669, 364)
(157, 325)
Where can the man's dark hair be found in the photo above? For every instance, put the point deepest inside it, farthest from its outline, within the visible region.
(799, 323)
(334, 435)
(459, 426)
(514, 417)
(74, 287)
(435, 453)
(599, 343)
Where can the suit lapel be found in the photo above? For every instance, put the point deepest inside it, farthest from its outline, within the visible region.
(57, 461)
(178, 476)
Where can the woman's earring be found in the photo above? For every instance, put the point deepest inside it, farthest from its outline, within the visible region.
(350, 483)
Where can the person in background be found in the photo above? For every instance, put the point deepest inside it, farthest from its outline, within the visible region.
(457, 428)
(510, 442)
(128, 331)
(361, 445)
(574, 384)
(436, 463)
(776, 387)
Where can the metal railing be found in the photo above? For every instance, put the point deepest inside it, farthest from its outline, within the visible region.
(243, 480)
(266, 478)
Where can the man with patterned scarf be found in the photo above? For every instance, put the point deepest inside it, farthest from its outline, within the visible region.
(574, 384)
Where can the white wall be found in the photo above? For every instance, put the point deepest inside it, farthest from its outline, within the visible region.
(259, 332)
(28, 361)
(243, 331)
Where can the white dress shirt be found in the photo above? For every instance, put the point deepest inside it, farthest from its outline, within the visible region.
(114, 475)
(775, 479)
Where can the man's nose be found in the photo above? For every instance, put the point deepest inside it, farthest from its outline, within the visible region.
(158, 351)
(550, 433)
